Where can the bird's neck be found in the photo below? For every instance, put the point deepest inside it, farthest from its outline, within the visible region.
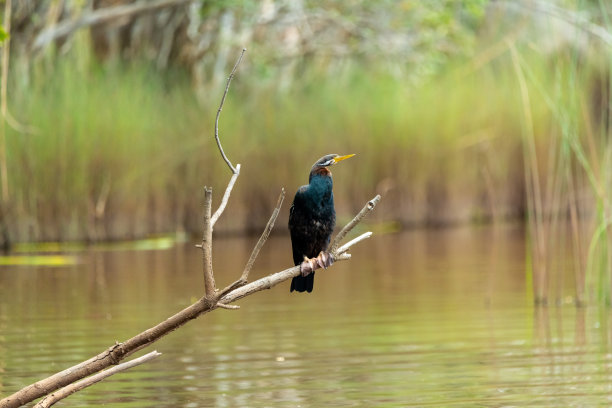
(320, 184)
(321, 172)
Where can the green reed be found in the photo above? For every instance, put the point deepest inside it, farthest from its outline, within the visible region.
(130, 144)
(124, 152)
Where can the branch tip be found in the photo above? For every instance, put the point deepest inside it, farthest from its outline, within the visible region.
(228, 307)
(229, 80)
(348, 227)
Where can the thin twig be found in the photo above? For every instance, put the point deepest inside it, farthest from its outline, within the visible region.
(226, 196)
(264, 236)
(229, 288)
(209, 279)
(352, 242)
(51, 399)
(260, 243)
(348, 227)
(229, 80)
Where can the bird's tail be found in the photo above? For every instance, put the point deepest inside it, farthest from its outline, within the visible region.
(303, 283)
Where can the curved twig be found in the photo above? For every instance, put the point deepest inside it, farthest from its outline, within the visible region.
(229, 80)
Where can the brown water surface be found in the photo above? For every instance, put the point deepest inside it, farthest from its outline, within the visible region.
(422, 318)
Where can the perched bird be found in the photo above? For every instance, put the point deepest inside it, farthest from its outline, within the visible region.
(312, 218)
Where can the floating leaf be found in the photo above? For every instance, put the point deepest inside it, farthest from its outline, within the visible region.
(38, 260)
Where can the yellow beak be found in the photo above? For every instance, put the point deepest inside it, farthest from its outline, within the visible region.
(340, 158)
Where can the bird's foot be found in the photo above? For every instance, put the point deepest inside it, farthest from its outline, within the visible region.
(323, 260)
(308, 266)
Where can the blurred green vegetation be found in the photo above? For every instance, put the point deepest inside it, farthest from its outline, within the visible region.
(121, 152)
(490, 116)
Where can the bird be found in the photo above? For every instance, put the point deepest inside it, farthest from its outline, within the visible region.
(312, 219)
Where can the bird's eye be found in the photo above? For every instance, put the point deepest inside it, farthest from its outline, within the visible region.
(328, 163)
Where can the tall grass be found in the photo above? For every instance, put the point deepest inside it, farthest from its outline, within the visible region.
(567, 181)
(123, 152)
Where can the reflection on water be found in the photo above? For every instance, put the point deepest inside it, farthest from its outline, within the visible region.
(423, 318)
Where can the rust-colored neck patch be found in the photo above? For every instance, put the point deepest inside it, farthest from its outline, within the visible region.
(322, 171)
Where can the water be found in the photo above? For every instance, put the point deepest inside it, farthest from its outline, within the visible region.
(422, 318)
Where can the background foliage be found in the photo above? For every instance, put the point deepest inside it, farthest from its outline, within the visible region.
(459, 111)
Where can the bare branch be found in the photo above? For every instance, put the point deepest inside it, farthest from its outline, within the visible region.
(352, 242)
(348, 227)
(229, 80)
(260, 243)
(264, 237)
(209, 279)
(116, 353)
(230, 287)
(343, 257)
(226, 196)
(279, 277)
(51, 399)
(99, 16)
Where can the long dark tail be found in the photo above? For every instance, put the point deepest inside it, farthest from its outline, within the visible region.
(303, 283)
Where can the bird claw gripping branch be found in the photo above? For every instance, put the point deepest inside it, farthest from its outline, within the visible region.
(323, 260)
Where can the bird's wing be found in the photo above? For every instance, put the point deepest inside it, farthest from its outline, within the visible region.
(296, 226)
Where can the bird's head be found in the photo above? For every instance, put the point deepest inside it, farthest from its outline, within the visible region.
(321, 165)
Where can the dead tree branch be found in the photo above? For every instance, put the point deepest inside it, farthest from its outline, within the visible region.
(53, 398)
(118, 352)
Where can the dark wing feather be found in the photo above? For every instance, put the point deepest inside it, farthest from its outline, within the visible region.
(311, 221)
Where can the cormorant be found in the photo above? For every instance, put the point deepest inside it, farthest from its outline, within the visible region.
(312, 218)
